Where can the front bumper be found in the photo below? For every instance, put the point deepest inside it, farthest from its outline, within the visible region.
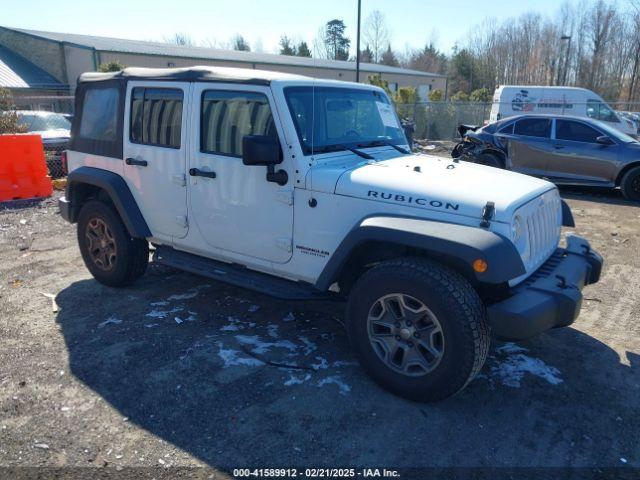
(65, 209)
(551, 297)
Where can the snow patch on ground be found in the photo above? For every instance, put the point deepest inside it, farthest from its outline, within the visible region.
(511, 369)
(260, 347)
(234, 325)
(335, 380)
(272, 331)
(321, 365)
(163, 313)
(110, 321)
(294, 380)
(309, 346)
(232, 357)
(183, 296)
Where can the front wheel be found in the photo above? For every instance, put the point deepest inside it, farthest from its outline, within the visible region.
(630, 184)
(418, 328)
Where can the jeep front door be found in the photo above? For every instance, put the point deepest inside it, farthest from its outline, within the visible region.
(233, 205)
(155, 154)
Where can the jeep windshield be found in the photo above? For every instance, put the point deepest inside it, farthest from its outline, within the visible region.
(329, 119)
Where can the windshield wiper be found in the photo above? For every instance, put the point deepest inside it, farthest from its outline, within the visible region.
(360, 153)
(337, 148)
(328, 148)
(383, 143)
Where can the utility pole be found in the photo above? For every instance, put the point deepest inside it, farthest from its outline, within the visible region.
(566, 59)
(358, 46)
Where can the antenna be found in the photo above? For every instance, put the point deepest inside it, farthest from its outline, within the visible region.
(312, 201)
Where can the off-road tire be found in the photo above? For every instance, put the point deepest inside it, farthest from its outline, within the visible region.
(490, 160)
(132, 254)
(630, 184)
(458, 308)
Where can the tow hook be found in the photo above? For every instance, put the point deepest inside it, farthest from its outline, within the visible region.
(562, 283)
(487, 214)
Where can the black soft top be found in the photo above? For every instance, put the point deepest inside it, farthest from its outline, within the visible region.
(191, 74)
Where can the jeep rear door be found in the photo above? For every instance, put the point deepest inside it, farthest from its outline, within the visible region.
(155, 146)
(238, 210)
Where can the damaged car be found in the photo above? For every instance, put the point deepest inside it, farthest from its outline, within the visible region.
(565, 150)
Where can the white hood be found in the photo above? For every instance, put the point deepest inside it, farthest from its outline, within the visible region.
(432, 183)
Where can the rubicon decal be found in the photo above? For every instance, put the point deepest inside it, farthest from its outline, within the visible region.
(422, 202)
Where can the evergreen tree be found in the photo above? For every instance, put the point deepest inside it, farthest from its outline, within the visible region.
(303, 50)
(389, 58)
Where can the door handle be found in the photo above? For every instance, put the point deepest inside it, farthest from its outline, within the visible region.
(133, 161)
(195, 172)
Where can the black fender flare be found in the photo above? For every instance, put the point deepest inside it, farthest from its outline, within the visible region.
(567, 216)
(118, 191)
(461, 242)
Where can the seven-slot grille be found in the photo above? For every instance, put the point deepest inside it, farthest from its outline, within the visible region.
(542, 218)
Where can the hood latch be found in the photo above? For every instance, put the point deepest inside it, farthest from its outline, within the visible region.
(487, 214)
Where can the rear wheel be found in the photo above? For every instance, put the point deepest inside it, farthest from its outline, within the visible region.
(630, 184)
(490, 160)
(113, 257)
(418, 328)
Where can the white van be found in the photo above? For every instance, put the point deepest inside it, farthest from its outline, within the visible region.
(509, 100)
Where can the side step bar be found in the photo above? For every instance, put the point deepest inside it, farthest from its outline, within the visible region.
(240, 276)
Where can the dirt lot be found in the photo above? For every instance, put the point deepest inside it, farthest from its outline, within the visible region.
(181, 371)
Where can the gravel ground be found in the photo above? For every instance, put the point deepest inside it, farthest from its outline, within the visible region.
(181, 371)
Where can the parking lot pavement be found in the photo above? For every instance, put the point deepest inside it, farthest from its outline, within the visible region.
(178, 370)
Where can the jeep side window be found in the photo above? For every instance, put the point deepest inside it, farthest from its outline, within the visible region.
(575, 131)
(533, 127)
(100, 114)
(156, 116)
(226, 117)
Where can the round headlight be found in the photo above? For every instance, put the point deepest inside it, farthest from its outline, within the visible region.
(516, 228)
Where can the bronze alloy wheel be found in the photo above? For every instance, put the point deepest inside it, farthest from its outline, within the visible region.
(405, 334)
(101, 244)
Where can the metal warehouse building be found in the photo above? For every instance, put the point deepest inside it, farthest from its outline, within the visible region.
(40, 63)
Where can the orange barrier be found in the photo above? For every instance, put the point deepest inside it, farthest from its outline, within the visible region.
(23, 170)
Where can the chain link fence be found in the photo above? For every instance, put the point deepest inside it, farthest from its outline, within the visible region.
(440, 120)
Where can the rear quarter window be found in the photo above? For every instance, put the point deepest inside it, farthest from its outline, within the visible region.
(99, 114)
(97, 127)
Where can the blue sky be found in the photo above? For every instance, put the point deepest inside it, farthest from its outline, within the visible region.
(411, 22)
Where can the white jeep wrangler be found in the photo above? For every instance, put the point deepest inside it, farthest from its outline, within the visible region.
(306, 189)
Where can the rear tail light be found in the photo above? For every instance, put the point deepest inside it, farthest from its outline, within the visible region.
(63, 161)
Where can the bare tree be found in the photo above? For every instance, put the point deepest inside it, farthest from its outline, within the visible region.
(376, 34)
(179, 38)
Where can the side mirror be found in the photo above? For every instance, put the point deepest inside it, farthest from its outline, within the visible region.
(265, 151)
(604, 140)
(261, 150)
